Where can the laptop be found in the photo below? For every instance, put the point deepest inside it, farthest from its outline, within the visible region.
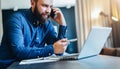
(92, 47)
(93, 44)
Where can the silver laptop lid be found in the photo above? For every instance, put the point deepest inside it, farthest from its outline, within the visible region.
(95, 41)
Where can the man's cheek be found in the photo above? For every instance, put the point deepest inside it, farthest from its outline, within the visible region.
(43, 9)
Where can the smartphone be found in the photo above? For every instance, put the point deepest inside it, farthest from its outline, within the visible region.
(52, 14)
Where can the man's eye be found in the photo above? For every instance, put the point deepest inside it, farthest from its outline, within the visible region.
(45, 5)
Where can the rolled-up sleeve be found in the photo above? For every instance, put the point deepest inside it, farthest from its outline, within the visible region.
(54, 36)
(62, 32)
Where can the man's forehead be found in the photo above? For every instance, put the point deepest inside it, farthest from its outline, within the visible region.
(46, 2)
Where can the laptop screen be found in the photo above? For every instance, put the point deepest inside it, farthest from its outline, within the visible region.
(95, 41)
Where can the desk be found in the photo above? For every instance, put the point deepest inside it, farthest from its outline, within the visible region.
(96, 62)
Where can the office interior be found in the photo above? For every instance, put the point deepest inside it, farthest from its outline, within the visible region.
(80, 15)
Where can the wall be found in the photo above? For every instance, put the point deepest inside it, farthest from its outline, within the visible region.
(69, 15)
(115, 11)
(1, 31)
(116, 33)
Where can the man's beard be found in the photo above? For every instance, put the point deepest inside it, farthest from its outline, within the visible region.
(39, 16)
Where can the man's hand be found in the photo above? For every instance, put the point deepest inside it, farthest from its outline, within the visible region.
(59, 17)
(60, 46)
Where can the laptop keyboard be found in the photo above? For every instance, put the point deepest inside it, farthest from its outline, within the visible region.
(70, 57)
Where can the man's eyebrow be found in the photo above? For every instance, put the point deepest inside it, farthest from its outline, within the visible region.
(47, 5)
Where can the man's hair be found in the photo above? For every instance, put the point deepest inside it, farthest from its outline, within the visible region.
(35, 0)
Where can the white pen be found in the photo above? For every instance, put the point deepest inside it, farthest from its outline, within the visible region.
(72, 40)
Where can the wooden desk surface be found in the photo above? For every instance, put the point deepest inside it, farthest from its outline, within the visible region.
(96, 62)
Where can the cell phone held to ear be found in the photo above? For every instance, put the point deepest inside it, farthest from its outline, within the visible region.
(52, 14)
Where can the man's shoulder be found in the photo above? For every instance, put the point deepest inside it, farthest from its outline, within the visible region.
(18, 17)
(19, 13)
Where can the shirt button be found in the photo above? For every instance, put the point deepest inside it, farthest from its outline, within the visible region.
(37, 38)
(49, 54)
(38, 57)
(34, 23)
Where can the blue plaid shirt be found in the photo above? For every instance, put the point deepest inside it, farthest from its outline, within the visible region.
(24, 39)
